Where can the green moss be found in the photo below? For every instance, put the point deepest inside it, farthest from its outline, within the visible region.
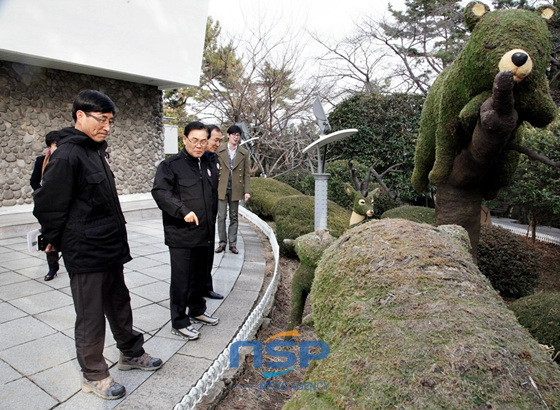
(452, 107)
(411, 323)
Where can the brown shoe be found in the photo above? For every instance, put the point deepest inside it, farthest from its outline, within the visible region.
(220, 249)
(233, 249)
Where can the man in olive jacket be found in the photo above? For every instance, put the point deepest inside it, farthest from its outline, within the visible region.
(183, 191)
(234, 185)
(80, 215)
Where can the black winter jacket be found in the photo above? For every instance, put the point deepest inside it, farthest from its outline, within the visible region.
(78, 206)
(183, 184)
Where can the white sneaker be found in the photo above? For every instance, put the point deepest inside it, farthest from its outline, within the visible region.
(189, 333)
(206, 319)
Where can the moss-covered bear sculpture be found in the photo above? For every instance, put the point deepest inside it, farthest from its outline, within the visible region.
(476, 107)
(516, 40)
(309, 249)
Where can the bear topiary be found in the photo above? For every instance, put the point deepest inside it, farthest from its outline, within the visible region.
(476, 107)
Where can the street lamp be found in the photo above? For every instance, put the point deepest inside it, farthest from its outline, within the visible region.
(322, 178)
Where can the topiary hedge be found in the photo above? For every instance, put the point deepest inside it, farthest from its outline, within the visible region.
(418, 214)
(265, 192)
(509, 261)
(540, 315)
(302, 180)
(295, 216)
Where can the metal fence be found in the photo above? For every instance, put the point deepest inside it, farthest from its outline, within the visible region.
(521, 231)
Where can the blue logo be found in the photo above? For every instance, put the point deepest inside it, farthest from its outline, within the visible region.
(290, 362)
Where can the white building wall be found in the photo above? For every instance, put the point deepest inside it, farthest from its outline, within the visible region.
(155, 42)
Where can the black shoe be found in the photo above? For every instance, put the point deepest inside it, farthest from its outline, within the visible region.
(233, 249)
(220, 249)
(49, 276)
(214, 295)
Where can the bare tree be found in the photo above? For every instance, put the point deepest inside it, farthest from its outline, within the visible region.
(255, 78)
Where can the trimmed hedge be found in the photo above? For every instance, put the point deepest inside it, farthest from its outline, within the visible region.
(265, 192)
(418, 214)
(540, 315)
(295, 216)
(509, 261)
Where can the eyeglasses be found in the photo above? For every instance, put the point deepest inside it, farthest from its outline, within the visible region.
(103, 121)
(198, 143)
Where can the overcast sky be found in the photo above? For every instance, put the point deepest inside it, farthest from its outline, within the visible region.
(322, 16)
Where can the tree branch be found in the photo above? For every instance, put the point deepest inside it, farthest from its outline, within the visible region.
(533, 155)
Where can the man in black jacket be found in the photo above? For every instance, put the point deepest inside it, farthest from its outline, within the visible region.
(80, 214)
(182, 189)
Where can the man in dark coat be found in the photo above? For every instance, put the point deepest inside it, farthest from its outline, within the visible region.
(214, 141)
(182, 189)
(51, 139)
(80, 215)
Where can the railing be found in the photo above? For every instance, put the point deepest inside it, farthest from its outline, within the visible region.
(217, 369)
(521, 231)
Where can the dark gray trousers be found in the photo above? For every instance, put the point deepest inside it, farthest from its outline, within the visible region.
(96, 296)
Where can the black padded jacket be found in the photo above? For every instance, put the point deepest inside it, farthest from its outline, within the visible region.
(78, 206)
(183, 184)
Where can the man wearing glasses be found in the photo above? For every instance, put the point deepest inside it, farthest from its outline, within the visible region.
(80, 215)
(183, 191)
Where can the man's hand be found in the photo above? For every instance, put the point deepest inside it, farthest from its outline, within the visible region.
(191, 217)
(247, 197)
(49, 248)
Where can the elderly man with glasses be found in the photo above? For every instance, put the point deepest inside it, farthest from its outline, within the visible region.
(183, 191)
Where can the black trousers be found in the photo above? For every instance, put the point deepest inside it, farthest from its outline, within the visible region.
(208, 286)
(52, 260)
(96, 296)
(188, 276)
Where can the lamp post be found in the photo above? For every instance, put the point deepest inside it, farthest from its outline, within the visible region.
(322, 178)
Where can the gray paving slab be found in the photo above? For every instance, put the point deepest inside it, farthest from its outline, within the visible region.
(38, 367)
(9, 312)
(48, 352)
(23, 394)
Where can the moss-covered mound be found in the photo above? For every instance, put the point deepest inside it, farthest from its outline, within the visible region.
(264, 194)
(295, 216)
(418, 214)
(411, 323)
(540, 314)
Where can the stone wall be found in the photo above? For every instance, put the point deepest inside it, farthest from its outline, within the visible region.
(35, 100)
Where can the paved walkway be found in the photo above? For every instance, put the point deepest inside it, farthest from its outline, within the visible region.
(38, 366)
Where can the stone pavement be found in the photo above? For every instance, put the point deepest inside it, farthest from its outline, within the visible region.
(38, 366)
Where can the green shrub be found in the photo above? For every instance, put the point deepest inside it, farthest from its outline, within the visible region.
(264, 194)
(508, 260)
(418, 214)
(383, 203)
(298, 179)
(295, 216)
(540, 315)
